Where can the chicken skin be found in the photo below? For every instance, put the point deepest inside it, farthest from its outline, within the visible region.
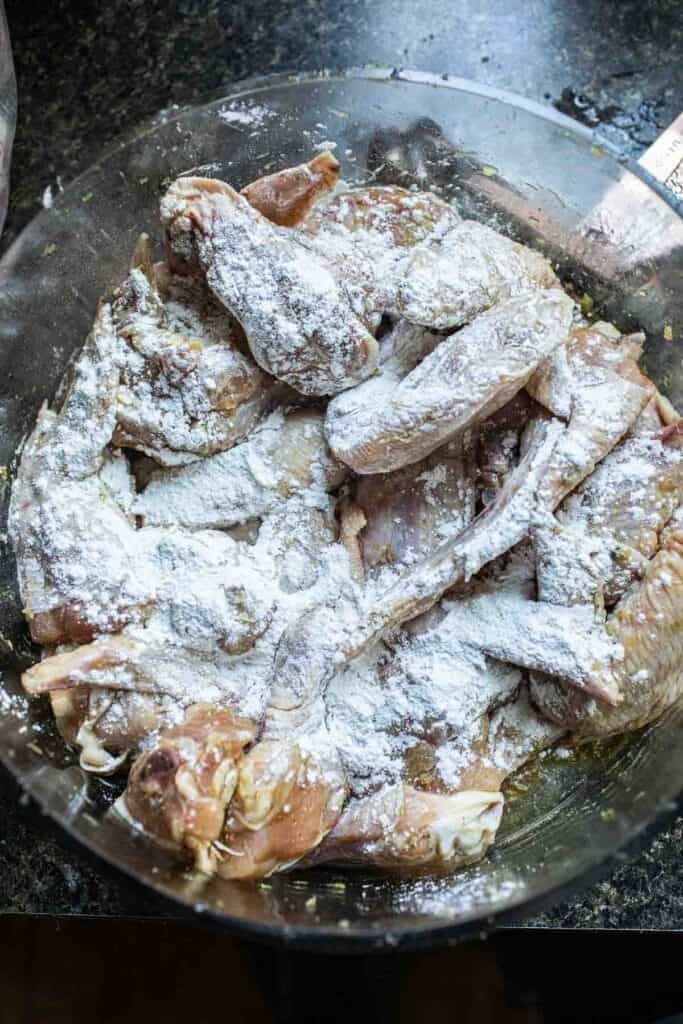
(466, 379)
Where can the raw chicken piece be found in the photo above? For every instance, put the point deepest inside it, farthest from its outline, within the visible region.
(606, 533)
(210, 610)
(178, 791)
(467, 378)
(402, 349)
(86, 665)
(286, 197)
(270, 806)
(403, 828)
(70, 444)
(593, 382)
(565, 641)
(289, 794)
(419, 260)
(608, 529)
(212, 630)
(460, 272)
(70, 518)
(650, 421)
(186, 388)
(390, 518)
(646, 623)
(382, 216)
(143, 665)
(283, 796)
(286, 455)
(78, 555)
(408, 513)
(595, 385)
(298, 317)
(370, 232)
(312, 809)
(603, 541)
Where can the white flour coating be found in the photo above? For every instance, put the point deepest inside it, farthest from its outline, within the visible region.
(471, 711)
(452, 388)
(71, 445)
(214, 597)
(569, 642)
(74, 540)
(117, 478)
(381, 225)
(77, 548)
(246, 115)
(433, 688)
(283, 456)
(608, 529)
(455, 898)
(570, 564)
(297, 315)
(209, 610)
(598, 383)
(462, 271)
(356, 711)
(186, 389)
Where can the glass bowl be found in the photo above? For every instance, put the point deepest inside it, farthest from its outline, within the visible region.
(526, 170)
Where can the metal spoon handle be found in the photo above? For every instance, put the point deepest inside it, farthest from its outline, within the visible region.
(664, 158)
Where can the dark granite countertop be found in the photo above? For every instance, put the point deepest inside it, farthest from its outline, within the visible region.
(87, 71)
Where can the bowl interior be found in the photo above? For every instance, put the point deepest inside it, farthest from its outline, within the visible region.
(531, 173)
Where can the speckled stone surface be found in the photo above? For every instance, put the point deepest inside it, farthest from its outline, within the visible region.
(88, 71)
